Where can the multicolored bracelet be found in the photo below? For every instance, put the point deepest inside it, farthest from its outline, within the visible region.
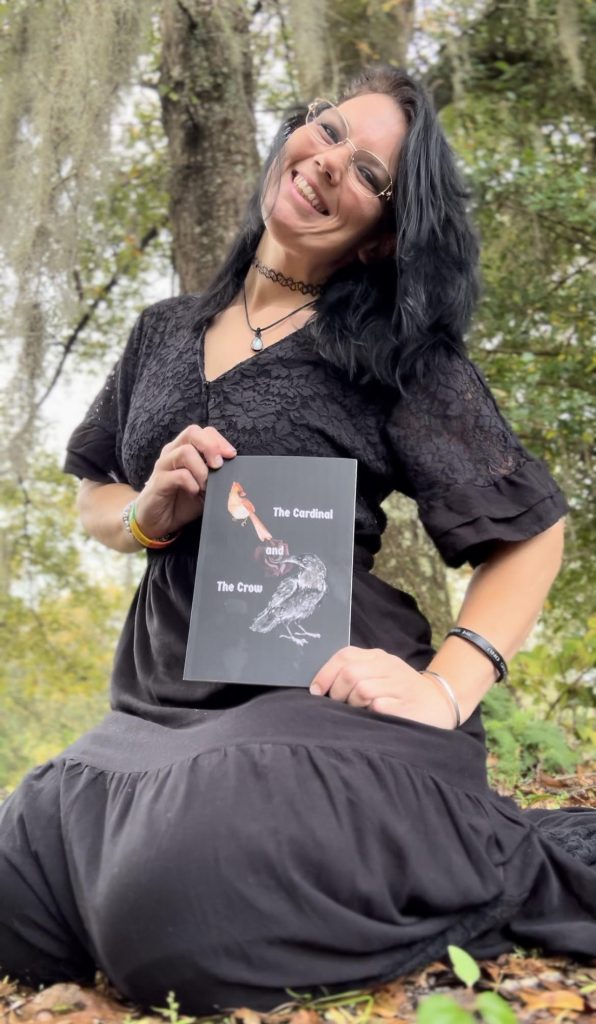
(130, 523)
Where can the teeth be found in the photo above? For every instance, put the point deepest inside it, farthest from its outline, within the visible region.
(308, 193)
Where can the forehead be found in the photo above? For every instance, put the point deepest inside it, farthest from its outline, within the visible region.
(377, 123)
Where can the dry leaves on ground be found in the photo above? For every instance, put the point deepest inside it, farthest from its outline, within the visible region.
(553, 989)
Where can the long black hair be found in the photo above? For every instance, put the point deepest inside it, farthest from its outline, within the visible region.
(392, 319)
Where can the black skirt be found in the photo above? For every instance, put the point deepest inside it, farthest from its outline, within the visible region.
(290, 842)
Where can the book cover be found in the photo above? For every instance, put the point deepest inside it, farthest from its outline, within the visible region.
(273, 585)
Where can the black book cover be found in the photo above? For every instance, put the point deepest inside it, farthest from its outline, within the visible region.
(273, 586)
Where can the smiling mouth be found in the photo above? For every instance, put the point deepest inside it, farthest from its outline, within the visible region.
(301, 185)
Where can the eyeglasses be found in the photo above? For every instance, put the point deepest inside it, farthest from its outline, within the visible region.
(368, 172)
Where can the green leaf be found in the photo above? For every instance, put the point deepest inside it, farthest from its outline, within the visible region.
(442, 1010)
(494, 1010)
(464, 966)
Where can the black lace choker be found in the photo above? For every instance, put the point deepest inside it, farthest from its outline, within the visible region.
(286, 282)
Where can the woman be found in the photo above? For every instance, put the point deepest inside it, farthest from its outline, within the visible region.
(227, 841)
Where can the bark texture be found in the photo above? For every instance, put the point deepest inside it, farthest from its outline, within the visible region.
(206, 86)
(409, 560)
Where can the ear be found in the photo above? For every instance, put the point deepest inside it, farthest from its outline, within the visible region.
(380, 248)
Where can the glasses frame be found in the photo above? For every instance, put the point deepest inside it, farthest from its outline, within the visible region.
(387, 192)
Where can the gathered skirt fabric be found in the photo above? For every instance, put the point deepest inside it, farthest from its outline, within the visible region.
(292, 843)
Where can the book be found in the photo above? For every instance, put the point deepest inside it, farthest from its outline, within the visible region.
(273, 585)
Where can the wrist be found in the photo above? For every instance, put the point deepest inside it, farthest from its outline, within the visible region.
(468, 671)
(448, 695)
(132, 543)
(131, 525)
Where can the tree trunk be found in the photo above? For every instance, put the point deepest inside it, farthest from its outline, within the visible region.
(206, 88)
(333, 39)
(357, 33)
(409, 560)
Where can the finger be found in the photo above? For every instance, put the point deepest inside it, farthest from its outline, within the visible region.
(212, 445)
(187, 457)
(322, 681)
(361, 692)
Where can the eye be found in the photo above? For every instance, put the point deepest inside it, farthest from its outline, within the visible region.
(368, 178)
(328, 132)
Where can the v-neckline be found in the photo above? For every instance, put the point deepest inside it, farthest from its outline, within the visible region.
(242, 362)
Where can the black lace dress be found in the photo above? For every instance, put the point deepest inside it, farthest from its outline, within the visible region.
(230, 842)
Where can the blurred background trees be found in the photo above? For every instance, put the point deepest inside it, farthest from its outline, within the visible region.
(130, 138)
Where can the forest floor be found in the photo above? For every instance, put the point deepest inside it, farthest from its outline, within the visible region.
(532, 989)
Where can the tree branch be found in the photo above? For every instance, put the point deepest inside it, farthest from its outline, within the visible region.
(73, 337)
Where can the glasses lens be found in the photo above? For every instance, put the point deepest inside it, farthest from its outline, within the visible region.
(326, 123)
(369, 174)
(328, 126)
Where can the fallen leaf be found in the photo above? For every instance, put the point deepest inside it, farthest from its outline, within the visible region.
(390, 1001)
(337, 1015)
(82, 1005)
(551, 781)
(7, 987)
(494, 971)
(562, 999)
(304, 1016)
(244, 1015)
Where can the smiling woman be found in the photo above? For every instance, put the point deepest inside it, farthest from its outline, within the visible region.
(227, 841)
(323, 173)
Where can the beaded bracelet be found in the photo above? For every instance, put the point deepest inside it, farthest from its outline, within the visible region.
(483, 645)
(130, 523)
(448, 690)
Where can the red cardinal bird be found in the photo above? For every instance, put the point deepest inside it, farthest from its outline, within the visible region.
(241, 509)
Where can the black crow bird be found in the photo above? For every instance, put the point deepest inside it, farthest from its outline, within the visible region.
(295, 599)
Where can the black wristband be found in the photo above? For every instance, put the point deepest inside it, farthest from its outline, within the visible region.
(484, 646)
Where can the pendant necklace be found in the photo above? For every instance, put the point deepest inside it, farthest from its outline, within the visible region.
(257, 341)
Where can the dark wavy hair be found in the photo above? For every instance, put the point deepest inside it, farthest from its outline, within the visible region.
(392, 319)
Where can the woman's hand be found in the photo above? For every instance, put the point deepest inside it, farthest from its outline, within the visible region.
(383, 682)
(175, 492)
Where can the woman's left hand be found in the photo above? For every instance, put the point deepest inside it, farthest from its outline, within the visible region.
(383, 682)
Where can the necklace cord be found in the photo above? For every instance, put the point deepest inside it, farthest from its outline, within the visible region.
(257, 331)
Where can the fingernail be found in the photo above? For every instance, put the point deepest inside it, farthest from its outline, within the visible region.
(217, 462)
(316, 690)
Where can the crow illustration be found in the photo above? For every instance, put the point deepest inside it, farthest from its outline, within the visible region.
(294, 599)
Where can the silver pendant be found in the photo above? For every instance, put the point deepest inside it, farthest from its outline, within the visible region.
(257, 342)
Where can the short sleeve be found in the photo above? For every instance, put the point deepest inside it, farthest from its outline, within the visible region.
(94, 449)
(474, 482)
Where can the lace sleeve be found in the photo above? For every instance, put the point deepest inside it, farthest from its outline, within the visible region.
(94, 449)
(474, 482)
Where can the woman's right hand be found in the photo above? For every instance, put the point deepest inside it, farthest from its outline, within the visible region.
(175, 492)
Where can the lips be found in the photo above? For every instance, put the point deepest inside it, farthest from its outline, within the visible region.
(307, 191)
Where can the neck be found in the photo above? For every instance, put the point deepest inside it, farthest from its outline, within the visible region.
(261, 292)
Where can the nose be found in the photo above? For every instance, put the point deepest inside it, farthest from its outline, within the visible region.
(334, 161)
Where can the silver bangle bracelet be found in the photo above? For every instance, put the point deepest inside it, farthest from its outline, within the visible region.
(448, 690)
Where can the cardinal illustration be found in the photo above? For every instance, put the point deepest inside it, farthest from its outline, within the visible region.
(295, 599)
(241, 510)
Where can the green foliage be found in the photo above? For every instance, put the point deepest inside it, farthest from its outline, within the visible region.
(488, 1007)
(58, 628)
(440, 1009)
(171, 1011)
(494, 1010)
(464, 966)
(521, 739)
(520, 116)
